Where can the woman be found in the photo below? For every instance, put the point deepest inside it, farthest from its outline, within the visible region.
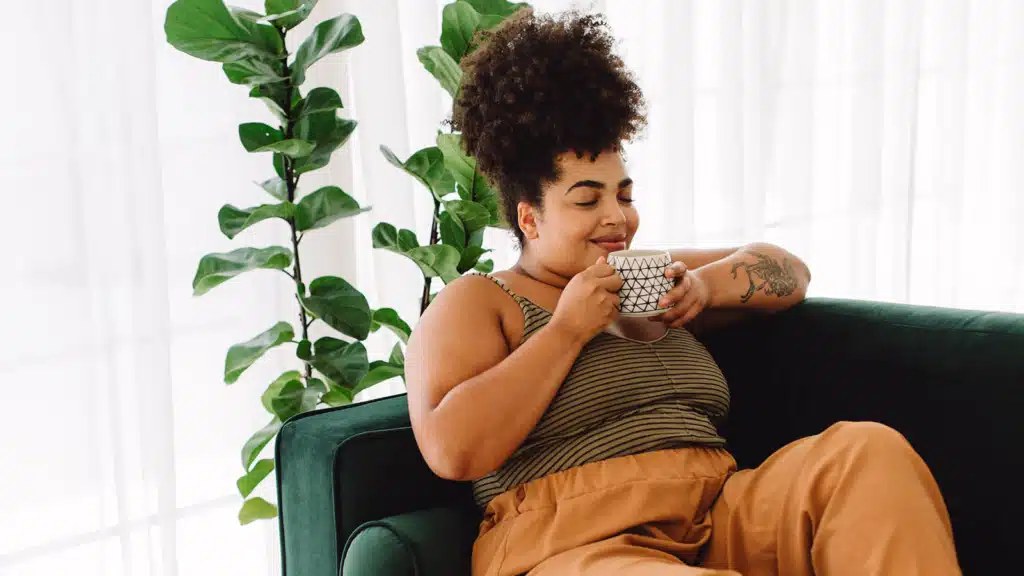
(591, 439)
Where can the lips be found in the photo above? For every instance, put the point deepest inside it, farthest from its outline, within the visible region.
(611, 243)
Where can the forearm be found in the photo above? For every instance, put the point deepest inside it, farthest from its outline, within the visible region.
(482, 421)
(759, 276)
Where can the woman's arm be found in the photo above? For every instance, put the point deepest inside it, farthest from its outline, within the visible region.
(720, 287)
(760, 276)
(472, 403)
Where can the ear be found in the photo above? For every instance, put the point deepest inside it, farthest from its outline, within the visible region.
(527, 216)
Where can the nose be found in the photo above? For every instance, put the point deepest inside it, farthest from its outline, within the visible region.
(613, 215)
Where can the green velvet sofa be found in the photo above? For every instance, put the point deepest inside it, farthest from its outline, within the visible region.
(357, 498)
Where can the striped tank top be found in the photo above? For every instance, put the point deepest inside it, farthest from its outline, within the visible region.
(621, 397)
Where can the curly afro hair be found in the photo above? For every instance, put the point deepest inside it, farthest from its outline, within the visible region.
(539, 86)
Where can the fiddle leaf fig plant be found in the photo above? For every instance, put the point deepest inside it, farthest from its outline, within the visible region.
(464, 204)
(304, 130)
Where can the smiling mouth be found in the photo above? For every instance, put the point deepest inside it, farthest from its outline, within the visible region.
(611, 243)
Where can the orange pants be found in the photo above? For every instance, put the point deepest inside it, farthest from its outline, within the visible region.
(855, 499)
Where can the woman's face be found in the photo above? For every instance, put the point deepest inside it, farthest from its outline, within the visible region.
(586, 213)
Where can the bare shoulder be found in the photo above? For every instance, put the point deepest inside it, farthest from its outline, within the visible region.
(459, 336)
(470, 292)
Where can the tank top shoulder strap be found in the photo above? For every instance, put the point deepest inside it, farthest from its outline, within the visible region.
(523, 302)
(534, 317)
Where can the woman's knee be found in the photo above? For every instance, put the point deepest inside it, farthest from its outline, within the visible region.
(873, 437)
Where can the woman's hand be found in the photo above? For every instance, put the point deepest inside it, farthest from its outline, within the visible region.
(689, 298)
(590, 302)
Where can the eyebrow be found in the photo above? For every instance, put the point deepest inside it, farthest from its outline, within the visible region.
(599, 185)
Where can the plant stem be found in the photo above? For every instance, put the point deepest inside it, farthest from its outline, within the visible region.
(291, 182)
(425, 299)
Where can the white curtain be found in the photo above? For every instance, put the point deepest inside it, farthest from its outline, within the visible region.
(882, 141)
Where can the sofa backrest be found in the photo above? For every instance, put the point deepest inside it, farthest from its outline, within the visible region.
(951, 381)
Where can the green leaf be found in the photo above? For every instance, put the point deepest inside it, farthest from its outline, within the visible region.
(276, 187)
(317, 385)
(452, 232)
(257, 441)
(256, 509)
(442, 67)
(241, 356)
(275, 96)
(279, 166)
(215, 269)
(337, 396)
(292, 398)
(343, 363)
(247, 483)
(297, 11)
(388, 318)
(470, 256)
(319, 100)
(328, 37)
(378, 374)
(502, 8)
(339, 305)
(399, 241)
(476, 238)
(275, 387)
(437, 260)
(459, 24)
(255, 135)
(263, 35)
(284, 403)
(253, 71)
(292, 148)
(427, 166)
(304, 351)
(485, 266)
(434, 261)
(233, 220)
(207, 30)
(473, 216)
(397, 356)
(325, 206)
(328, 131)
(473, 184)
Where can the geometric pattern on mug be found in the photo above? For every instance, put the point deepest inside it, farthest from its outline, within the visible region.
(643, 283)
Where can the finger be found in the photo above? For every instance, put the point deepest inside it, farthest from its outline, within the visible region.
(687, 318)
(680, 309)
(601, 270)
(673, 296)
(675, 270)
(679, 292)
(610, 283)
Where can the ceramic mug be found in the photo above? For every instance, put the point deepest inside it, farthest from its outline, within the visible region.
(643, 280)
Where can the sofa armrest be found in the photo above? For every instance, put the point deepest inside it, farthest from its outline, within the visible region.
(340, 468)
(434, 542)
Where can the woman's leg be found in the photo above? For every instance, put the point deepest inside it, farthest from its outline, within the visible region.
(625, 555)
(855, 499)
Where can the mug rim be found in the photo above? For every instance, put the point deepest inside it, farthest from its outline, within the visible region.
(640, 253)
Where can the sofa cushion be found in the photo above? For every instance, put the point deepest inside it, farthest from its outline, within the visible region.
(423, 543)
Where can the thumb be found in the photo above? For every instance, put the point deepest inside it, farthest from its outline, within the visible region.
(601, 260)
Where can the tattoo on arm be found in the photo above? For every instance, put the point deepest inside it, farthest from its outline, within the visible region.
(768, 275)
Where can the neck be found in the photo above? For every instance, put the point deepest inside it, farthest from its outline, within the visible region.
(531, 268)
